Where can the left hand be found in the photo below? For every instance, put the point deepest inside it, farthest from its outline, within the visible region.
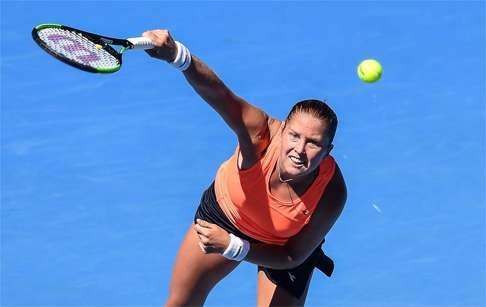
(212, 238)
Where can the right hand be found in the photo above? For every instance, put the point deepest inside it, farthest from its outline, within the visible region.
(165, 47)
(212, 238)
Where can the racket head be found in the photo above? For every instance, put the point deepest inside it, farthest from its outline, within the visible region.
(80, 49)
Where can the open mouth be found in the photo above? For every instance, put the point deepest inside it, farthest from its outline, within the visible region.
(296, 161)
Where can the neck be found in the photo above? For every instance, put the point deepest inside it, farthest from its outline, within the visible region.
(280, 176)
(298, 183)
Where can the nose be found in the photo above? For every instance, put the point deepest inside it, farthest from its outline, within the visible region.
(300, 148)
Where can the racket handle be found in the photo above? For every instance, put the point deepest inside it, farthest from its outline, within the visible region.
(141, 43)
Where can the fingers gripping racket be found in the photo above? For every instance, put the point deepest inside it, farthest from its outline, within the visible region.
(87, 51)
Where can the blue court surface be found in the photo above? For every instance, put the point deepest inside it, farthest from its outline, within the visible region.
(101, 174)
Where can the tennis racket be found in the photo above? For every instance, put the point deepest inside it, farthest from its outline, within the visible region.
(87, 51)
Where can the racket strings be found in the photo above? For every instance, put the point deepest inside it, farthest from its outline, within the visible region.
(77, 48)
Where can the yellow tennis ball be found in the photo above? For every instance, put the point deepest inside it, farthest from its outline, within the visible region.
(370, 70)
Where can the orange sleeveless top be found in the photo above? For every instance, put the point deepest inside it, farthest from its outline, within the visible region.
(245, 197)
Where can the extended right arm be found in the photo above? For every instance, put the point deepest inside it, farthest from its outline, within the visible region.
(250, 123)
(234, 110)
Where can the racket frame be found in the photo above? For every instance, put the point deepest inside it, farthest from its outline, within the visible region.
(104, 41)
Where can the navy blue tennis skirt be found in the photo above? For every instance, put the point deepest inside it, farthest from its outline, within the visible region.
(293, 280)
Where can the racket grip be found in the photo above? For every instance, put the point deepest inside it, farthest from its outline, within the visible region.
(141, 43)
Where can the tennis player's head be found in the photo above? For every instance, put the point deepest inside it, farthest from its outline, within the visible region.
(307, 138)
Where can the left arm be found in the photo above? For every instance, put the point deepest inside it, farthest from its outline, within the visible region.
(299, 247)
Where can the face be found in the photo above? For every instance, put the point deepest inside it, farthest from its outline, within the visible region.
(304, 145)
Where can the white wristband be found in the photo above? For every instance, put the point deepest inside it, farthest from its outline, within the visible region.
(237, 248)
(183, 59)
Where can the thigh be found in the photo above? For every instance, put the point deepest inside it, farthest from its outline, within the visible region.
(270, 294)
(195, 273)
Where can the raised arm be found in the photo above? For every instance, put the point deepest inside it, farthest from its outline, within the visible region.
(250, 123)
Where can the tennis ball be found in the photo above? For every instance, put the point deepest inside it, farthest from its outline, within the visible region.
(370, 70)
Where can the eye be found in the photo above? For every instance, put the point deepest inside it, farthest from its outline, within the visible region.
(314, 145)
(293, 136)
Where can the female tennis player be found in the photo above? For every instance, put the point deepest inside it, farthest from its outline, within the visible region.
(271, 204)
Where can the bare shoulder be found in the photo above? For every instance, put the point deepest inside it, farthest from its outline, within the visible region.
(274, 125)
(336, 191)
(333, 199)
(338, 180)
(255, 141)
(260, 136)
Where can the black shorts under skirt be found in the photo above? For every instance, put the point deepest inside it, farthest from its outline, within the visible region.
(293, 280)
